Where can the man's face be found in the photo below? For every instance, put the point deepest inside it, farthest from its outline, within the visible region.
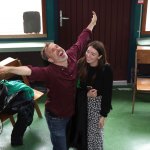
(56, 53)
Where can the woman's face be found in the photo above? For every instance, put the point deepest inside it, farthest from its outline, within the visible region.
(92, 56)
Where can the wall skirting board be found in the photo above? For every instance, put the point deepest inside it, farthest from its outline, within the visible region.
(120, 82)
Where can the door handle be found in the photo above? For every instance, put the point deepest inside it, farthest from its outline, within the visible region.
(62, 18)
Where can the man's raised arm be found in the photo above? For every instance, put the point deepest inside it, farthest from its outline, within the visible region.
(22, 70)
(93, 21)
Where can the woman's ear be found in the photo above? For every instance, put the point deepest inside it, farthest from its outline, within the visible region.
(100, 57)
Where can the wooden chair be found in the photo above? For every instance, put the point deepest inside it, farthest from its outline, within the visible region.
(37, 94)
(141, 83)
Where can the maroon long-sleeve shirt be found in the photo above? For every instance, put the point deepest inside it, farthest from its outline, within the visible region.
(61, 81)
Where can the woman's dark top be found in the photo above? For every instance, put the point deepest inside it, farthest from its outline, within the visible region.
(78, 125)
(103, 83)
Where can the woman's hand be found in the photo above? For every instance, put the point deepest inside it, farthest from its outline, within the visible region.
(101, 122)
(92, 93)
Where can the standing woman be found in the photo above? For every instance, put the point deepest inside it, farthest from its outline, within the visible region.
(93, 97)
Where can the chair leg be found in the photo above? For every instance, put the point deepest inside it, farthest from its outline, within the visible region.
(133, 100)
(37, 109)
(12, 120)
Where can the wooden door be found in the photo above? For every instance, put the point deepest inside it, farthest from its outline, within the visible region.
(112, 28)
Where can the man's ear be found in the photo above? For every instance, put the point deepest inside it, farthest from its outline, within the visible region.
(100, 57)
(51, 60)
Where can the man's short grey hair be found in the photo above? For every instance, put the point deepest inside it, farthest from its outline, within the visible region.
(43, 54)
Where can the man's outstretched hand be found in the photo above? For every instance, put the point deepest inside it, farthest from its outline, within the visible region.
(93, 21)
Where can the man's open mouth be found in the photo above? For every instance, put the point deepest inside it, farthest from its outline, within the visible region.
(61, 53)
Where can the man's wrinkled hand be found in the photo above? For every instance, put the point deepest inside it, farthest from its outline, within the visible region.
(94, 18)
(3, 69)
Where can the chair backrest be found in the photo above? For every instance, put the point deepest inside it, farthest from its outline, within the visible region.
(12, 62)
(143, 56)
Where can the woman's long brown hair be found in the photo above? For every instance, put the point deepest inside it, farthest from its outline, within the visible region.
(83, 65)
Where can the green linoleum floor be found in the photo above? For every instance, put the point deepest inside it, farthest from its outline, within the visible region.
(123, 130)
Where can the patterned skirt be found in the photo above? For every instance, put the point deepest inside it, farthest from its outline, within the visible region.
(95, 134)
